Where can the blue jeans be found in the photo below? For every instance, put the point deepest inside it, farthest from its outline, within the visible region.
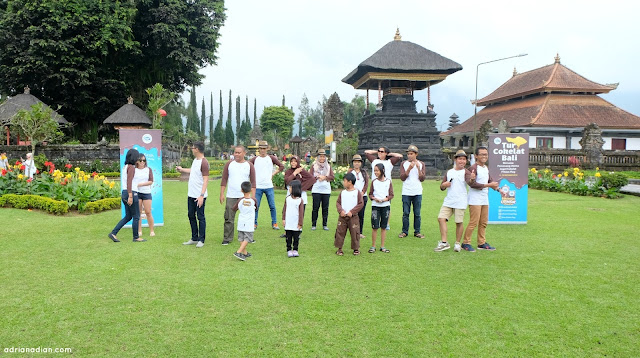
(197, 231)
(407, 201)
(130, 212)
(270, 199)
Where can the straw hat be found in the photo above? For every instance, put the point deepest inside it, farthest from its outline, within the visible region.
(321, 151)
(460, 153)
(263, 144)
(412, 148)
(356, 157)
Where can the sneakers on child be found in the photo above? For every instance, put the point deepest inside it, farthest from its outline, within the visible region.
(486, 246)
(239, 256)
(325, 228)
(190, 242)
(313, 228)
(248, 254)
(295, 253)
(442, 246)
(457, 247)
(468, 247)
(290, 253)
(200, 244)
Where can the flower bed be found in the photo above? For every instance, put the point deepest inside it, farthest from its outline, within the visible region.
(573, 181)
(74, 187)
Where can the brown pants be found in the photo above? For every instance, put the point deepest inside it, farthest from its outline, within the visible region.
(353, 225)
(478, 216)
(229, 219)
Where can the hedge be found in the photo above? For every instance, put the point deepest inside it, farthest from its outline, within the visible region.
(57, 207)
(101, 205)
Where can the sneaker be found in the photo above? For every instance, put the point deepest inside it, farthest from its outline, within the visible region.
(239, 256)
(200, 244)
(190, 242)
(313, 228)
(275, 226)
(283, 235)
(224, 243)
(468, 247)
(442, 246)
(457, 247)
(248, 254)
(325, 228)
(486, 246)
(388, 228)
(295, 253)
(252, 241)
(255, 226)
(290, 253)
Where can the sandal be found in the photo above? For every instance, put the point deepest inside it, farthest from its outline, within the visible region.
(356, 252)
(339, 252)
(372, 250)
(418, 235)
(402, 234)
(386, 251)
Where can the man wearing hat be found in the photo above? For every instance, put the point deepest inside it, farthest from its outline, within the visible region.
(321, 190)
(362, 183)
(263, 165)
(412, 174)
(454, 203)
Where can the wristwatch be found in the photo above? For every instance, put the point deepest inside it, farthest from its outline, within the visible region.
(202, 195)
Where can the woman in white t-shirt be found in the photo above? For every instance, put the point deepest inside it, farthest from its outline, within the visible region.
(143, 180)
(321, 190)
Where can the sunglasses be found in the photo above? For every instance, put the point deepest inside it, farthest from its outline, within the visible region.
(381, 151)
(142, 160)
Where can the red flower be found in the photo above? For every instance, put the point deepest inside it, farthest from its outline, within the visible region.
(94, 174)
(68, 166)
(4, 172)
(18, 162)
(51, 170)
(46, 164)
(22, 167)
(37, 171)
(29, 180)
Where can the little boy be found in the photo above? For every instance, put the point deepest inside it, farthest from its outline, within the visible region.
(247, 208)
(349, 205)
(454, 203)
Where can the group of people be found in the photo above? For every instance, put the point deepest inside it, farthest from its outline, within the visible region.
(244, 182)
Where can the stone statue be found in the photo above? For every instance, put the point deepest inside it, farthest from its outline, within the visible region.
(503, 126)
(333, 117)
(592, 143)
(483, 133)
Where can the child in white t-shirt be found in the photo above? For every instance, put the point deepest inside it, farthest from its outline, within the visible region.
(380, 193)
(349, 205)
(293, 217)
(455, 203)
(247, 207)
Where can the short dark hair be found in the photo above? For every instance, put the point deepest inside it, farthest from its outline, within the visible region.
(132, 157)
(199, 146)
(350, 177)
(381, 169)
(246, 186)
(479, 148)
(296, 188)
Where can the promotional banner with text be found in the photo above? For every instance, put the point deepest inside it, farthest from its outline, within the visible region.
(509, 165)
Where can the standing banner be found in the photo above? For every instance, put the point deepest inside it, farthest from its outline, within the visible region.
(509, 165)
(149, 143)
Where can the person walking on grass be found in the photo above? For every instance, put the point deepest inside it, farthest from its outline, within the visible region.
(143, 179)
(362, 184)
(247, 208)
(197, 194)
(263, 165)
(380, 193)
(386, 158)
(454, 203)
(234, 173)
(479, 182)
(129, 198)
(321, 190)
(293, 217)
(349, 204)
(412, 174)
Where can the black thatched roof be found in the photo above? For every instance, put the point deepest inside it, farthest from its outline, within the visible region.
(403, 57)
(129, 114)
(23, 101)
(296, 139)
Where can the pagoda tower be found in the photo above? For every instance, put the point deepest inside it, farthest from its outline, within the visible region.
(396, 71)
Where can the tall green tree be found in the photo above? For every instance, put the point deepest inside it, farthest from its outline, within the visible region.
(229, 137)
(39, 124)
(193, 122)
(304, 111)
(255, 111)
(314, 125)
(211, 128)
(279, 121)
(221, 111)
(353, 113)
(203, 121)
(238, 123)
(218, 135)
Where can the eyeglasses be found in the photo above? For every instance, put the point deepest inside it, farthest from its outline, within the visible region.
(381, 151)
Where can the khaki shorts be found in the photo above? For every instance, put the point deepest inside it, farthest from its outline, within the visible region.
(245, 236)
(446, 213)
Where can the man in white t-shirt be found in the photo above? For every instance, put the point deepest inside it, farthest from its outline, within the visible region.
(412, 173)
(454, 203)
(263, 165)
(197, 194)
(234, 173)
(479, 183)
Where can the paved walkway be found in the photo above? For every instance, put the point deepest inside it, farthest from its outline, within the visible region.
(633, 189)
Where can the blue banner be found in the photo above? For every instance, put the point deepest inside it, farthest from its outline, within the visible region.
(509, 165)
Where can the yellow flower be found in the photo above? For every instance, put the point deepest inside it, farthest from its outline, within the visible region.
(20, 176)
(560, 175)
(534, 170)
(566, 174)
(576, 169)
(597, 168)
(111, 185)
(101, 177)
(76, 169)
(68, 176)
(598, 175)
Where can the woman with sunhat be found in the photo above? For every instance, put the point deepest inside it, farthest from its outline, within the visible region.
(321, 190)
(362, 184)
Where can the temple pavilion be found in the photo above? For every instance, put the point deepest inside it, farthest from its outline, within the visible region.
(553, 104)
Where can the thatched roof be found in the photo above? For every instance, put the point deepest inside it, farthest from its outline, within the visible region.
(23, 101)
(129, 114)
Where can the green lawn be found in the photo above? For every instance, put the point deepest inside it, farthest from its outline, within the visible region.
(566, 284)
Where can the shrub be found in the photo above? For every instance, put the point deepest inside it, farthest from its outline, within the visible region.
(101, 205)
(573, 181)
(614, 180)
(53, 206)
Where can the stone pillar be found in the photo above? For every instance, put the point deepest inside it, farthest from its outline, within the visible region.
(592, 143)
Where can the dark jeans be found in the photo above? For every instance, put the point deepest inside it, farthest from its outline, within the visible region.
(130, 212)
(292, 237)
(317, 199)
(407, 201)
(361, 213)
(270, 199)
(197, 231)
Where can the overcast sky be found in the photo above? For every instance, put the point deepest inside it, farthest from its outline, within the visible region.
(281, 47)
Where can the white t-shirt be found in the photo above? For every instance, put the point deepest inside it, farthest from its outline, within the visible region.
(381, 191)
(412, 185)
(480, 196)
(29, 168)
(247, 216)
(264, 170)
(292, 213)
(141, 175)
(388, 167)
(360, 181)
(238, 173)
(196, 179)
(457, 193)
(349, 199)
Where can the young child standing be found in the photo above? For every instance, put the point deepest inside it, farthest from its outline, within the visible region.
(293, 217)
(349, 205)
(247, 207)
(380, 193)
(454, 203)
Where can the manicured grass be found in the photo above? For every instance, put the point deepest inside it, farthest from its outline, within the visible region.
(566, 284)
